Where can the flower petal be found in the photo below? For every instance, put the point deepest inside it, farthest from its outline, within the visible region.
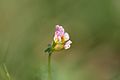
(59, 31)
(57, 39)
(67, 44)
(66, 36)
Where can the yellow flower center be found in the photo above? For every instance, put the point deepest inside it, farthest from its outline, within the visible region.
(59, 46)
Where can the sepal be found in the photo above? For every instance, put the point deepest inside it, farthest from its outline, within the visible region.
(49, 50)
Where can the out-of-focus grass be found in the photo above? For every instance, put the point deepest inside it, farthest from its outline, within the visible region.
(27, 26)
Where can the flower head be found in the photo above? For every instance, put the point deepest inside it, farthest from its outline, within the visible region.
(61, 39)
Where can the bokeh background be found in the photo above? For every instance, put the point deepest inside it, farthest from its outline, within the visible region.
(27, 27)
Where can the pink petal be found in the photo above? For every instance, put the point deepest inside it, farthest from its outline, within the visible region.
(59, 30)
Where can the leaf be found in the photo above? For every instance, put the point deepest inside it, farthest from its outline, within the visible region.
(47, 50)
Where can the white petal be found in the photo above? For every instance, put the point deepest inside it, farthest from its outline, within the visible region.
(67, 46)
(66, 36)
(57, 26)
(68, 42)
(55, 38)
(61, 27)
(59, 39)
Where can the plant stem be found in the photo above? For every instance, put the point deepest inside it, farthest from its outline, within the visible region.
(7, 73)
(49, 67)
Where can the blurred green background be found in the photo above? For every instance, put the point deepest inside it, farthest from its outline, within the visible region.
(27, 26)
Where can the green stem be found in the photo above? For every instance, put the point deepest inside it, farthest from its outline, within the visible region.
(49, 67)
(7, 73)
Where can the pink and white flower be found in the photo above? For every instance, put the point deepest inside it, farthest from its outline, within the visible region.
(61, 38)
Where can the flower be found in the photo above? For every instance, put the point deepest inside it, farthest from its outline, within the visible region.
(61, 40)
